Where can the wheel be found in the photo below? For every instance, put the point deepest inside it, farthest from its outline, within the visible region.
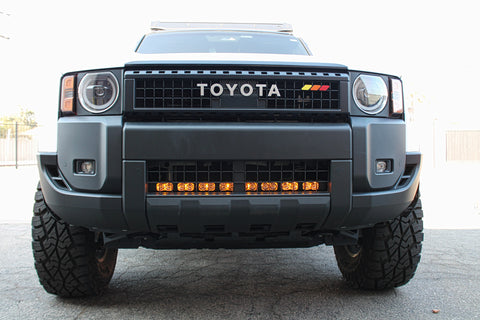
(387, 254)
(70, 261)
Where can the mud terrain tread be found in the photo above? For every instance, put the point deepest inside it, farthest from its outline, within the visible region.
(65, 255)
(390, 252)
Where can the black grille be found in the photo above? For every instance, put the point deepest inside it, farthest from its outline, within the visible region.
(189, 171)
(238, 172)
(279, 171)
(156, 90)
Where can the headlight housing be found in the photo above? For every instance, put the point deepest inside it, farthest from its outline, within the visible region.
(370, 93)
(98, 92)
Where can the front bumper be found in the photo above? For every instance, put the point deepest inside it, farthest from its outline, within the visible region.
(117, 201)
(110, 213)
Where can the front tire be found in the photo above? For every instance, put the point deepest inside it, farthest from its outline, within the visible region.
(387, 254)
(69, 260)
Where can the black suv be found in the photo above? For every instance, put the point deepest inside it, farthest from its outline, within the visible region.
(227, 136)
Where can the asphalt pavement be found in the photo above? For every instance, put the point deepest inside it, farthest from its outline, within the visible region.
(248, 284)
(255, 284)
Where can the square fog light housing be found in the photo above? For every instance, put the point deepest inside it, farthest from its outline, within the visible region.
(86, 167)
(383, 166)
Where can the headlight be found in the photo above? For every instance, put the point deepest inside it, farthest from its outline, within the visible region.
(98, 91)
(370, 93)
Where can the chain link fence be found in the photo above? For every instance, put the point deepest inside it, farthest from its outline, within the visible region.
(18, 144)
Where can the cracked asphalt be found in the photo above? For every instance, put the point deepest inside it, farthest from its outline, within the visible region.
(247, 284)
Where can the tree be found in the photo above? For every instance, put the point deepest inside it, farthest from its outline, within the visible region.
(23, 121)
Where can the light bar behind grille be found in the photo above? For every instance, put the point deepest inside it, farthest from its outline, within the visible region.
(239, 173)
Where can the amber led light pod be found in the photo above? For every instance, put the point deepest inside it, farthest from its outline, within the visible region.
(251, 186)
(226, 186)
(269, 186)
(165, 187)
(310, 186)
(206, 186)
(186, 186)
(289, 186)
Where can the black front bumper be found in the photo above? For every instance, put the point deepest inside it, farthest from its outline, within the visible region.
(117, 201)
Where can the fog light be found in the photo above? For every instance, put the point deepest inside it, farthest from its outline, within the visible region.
(383, 166)
(85, 167)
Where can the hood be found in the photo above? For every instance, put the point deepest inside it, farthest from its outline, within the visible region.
(222, 59)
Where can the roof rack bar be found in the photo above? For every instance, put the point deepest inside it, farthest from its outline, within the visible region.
(272, 27)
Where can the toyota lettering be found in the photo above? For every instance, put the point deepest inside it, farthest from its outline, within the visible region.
(244, 89)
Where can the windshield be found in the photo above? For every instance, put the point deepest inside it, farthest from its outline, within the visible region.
(221, 42)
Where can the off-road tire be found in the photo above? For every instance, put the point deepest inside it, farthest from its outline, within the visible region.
(68, 260)
(388, 253)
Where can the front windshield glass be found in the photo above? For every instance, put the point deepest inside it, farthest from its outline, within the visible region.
(221, 42)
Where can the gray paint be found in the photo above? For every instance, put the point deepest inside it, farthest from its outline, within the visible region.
(92, 137)
(236, 141)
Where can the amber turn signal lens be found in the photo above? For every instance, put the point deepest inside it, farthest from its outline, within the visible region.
(226, 186)
(269, 186)
(165, 187)
(206, 186)
(67, 105)
(397, 96)
(251, 186)
(289, 186)
(69, 82)
(185, 186)
(310, 186)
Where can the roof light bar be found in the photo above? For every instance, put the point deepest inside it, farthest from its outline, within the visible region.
(272, 27)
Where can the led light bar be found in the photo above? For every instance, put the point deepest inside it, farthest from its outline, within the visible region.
(265, 186)
(272, 27)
